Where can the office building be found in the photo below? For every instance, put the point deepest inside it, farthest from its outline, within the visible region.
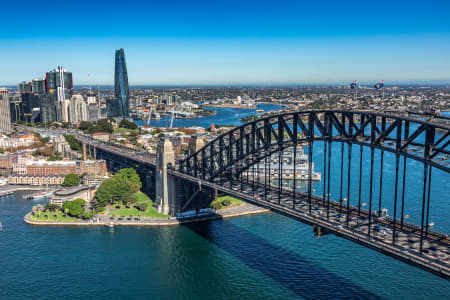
(48, 105)
(38, 86)
(59, 80)
(91, 99)
(29, 102)
(78, 109)
(25, 87)
(120, 108)
(5, 113)
(15, 108)
(93, 112)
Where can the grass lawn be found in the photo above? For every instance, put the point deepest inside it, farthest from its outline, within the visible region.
(234, 202)
(141, 197)
(133, 211)
(53, 217)
(124, 130)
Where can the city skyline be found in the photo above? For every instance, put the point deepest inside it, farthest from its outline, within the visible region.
(256, 43)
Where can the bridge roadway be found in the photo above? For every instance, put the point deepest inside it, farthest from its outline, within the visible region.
(131, 154)
(350, 222)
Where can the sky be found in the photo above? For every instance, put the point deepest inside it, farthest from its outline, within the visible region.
(228, 42)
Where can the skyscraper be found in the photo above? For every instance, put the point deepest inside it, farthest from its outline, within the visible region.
(38, 86)
(5, 116)
(61, 81)
(121, 86)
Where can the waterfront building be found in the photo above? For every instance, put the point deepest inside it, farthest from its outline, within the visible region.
(89, 167)
(6, 162)
(94, 180)
(86, 193)
(5, 113)
(36, 180)
(19, 163)
(121, 106)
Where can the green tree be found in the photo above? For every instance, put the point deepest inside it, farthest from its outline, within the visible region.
(39, 208)
(73, 143)
(142, 206)
(51, 207)
(130, 174)
(55, 157)
(71, 180)
(75, 208)
(121, 188)
(103, 125)
(87, 215)
(85, 125)
(124, 123)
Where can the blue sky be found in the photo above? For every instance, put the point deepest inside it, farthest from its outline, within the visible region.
(228, 42)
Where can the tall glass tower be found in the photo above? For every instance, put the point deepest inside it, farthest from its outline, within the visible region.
(121, 86)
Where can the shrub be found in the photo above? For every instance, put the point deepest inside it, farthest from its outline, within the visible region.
(88, 215)
(142, 206)
(216, 205)
(226, 202)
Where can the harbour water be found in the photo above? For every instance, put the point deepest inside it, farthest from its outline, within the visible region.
(265, 256)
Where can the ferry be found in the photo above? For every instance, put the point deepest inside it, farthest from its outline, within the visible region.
(301, 166)
(41, 195)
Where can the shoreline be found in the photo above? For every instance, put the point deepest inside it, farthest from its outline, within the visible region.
(21, 188)
(237, 106)
(242, 210)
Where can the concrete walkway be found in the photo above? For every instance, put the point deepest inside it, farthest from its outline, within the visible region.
(104, 220)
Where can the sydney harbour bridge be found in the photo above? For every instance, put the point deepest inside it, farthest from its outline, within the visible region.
(368, 204)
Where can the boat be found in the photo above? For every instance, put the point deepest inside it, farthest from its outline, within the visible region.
(41, 195)
(6, 193)
(301, 168)
(259, 111)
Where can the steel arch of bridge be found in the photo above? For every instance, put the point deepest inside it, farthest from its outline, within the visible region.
(407, 137)
(223, 161)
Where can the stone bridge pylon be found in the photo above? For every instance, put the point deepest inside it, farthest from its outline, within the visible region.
(165, 197)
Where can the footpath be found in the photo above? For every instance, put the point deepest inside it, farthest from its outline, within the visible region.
(241, 210)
